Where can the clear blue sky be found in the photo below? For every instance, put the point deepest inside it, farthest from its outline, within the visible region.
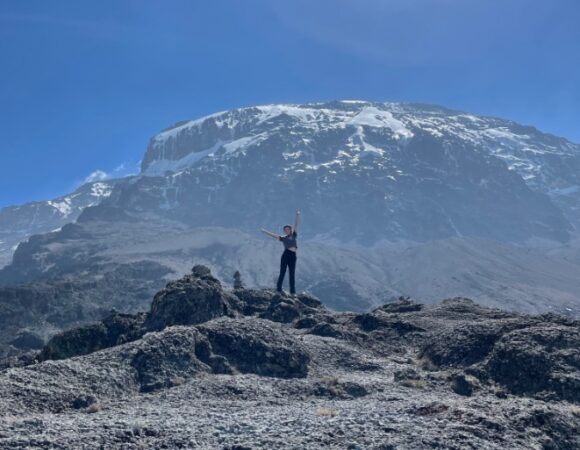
(84, 84)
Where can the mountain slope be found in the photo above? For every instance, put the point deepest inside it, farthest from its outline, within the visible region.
(397, 199)
(18, 223)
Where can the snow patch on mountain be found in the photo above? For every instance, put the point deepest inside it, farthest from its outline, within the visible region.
(63, 206)
(374, 117)
(101, 190)
(162, 166)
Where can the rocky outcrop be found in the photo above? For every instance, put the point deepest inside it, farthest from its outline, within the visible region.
(30, 314)
(542, 359)
(168, 358)
(193, 299)
(236, 363)
(257, 346)
(114, 330)
(527, 355)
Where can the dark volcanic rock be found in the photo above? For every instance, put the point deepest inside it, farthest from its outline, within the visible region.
(541, 359)
(406, 374)
(261, 361)
(462, 384)
(326, 330)
(377, 321)
(165, 359)
(257, 346)
(255, 301)
(462, 345)
(402, 305)
(65, 301)
(113, 330)
(193, 299)
(288, 309)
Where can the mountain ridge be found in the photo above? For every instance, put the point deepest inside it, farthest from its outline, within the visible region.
(464, 205)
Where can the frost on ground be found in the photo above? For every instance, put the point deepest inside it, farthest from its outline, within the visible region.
(248, 369)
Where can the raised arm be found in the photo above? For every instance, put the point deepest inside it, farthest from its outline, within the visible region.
(297, 220)
(269, 233)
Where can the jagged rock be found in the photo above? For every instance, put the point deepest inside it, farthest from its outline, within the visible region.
(542, 359)
(402, 305)
(334, 388)
(255, 301)
(202, 272)
(282, 310)
(287, 309)
(193, 299)
(306, 322)
(462, 345)
(164, 357)
(561, 432)
(378, 321)
(326, 330)
(83, 401)
(470, 334)
(256, 346)
(113, 330)
(309, 300)
(462, 384)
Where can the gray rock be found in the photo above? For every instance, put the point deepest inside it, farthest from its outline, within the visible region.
(257, 346)
(541, 359)
(193, 299)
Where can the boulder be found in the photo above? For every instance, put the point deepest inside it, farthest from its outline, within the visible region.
(462, 345)
(257, 346)
(402, 305)
(541, 360)
(326, 330)
(166, 358)
(377, 320)
(193, 299)
(115, 329)
(462, 384)
(286, 309)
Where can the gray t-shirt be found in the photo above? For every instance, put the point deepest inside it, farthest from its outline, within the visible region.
(289, 241)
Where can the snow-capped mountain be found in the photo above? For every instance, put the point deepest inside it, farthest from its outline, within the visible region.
(364, 170)
(397, 199)
(17, 223)
(361, 171)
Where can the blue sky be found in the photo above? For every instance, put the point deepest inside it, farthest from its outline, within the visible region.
(83, 84)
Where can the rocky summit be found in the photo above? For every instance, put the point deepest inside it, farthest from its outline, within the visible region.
(214, 368)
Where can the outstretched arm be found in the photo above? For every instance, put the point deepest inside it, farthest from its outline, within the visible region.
(297, 220)
(269, 233)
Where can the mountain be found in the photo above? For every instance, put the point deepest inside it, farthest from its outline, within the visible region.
(397, 199)
(18, 223)
(364, 172)
(209, 367)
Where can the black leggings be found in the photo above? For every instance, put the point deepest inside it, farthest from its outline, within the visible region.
(288, 260)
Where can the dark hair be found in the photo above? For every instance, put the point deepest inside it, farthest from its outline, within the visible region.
(287, 226)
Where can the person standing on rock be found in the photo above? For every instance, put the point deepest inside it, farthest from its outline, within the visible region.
(288, 259)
